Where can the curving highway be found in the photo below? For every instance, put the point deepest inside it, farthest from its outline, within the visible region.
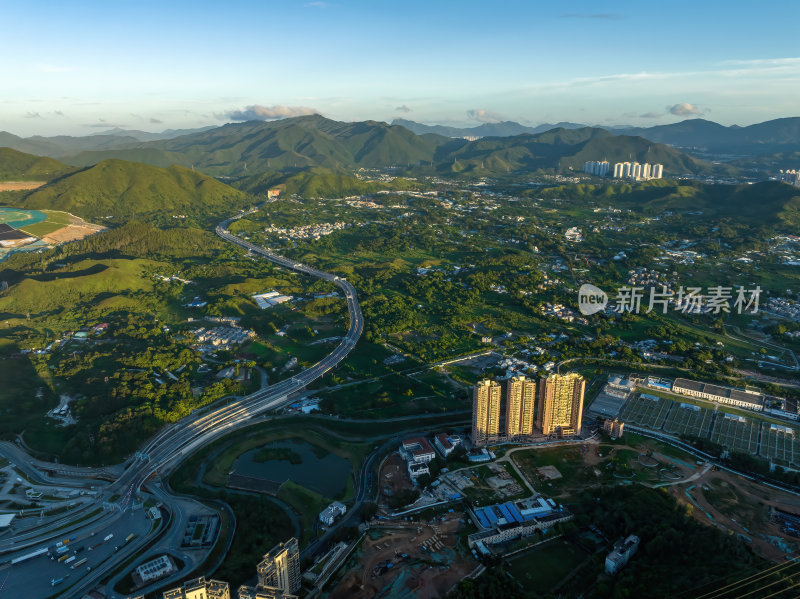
(176, 441)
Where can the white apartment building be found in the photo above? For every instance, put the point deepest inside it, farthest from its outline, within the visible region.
(599, 169)
(637, 171)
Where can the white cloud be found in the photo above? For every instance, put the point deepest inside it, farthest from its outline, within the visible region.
(403, 108)
(765, 62)
(266, 113)
(651, 115)
(685, 109)
(483, 116)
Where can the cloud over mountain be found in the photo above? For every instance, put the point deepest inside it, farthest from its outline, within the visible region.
(256, 112)
(685, 109)
(483, 116)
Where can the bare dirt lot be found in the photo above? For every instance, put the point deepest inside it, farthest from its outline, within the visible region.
(734, 504)
(20, 185)
(70, 233)
(394, 477)
(426, 573)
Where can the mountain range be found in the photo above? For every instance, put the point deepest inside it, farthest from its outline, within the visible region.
(700, 137)
(292, 144)
(499, 129)
(255, 147)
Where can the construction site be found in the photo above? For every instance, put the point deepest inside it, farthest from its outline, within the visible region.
(407, 559)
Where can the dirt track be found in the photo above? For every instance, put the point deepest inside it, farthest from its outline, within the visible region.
(20, 185)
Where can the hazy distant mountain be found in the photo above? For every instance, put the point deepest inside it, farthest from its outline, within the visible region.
(59, 146)
(19, 166)
(149, 136)
(33, 145)
(770, 137)
(501, 129)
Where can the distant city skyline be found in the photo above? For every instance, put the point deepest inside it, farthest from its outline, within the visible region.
(86, 66)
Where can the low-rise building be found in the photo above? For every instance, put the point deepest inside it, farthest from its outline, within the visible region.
(741, 398)
(621, 554)
(260, 592)
(661, 384)
(446, 444)
(153, 570)
(415, 470)
(200, 588)
(333, 511)
(418, 450)
(508, 531)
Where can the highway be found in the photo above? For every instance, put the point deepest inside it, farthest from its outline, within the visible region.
(177, 441)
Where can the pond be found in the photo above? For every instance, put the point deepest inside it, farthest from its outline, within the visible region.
(298, 461)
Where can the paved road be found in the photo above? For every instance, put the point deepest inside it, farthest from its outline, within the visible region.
(175, 442)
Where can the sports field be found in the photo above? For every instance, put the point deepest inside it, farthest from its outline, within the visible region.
(55, 221)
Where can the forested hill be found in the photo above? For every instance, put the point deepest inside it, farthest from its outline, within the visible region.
(19, 166)
(118, 190)
(256, 147)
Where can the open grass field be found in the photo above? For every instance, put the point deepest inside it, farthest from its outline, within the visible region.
(55, 220)
(736, 433)
(306, 503)
(543, 568)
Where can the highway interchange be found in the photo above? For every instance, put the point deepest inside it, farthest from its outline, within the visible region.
(161, 453)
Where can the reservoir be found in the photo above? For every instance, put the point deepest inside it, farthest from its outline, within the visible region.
(323, 472)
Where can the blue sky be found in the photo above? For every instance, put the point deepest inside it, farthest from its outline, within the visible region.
(83, 66)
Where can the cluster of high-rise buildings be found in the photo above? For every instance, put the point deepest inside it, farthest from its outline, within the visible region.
(595, 167)
(553, 405)
(278, 578)
(790, 176)
(625, 170)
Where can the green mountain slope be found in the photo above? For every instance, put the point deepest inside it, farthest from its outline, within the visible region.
(563, 150)
(19, 166)
(768, 204)
(316, 182)
(150, 156)
(128, 189)
(255, 146)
